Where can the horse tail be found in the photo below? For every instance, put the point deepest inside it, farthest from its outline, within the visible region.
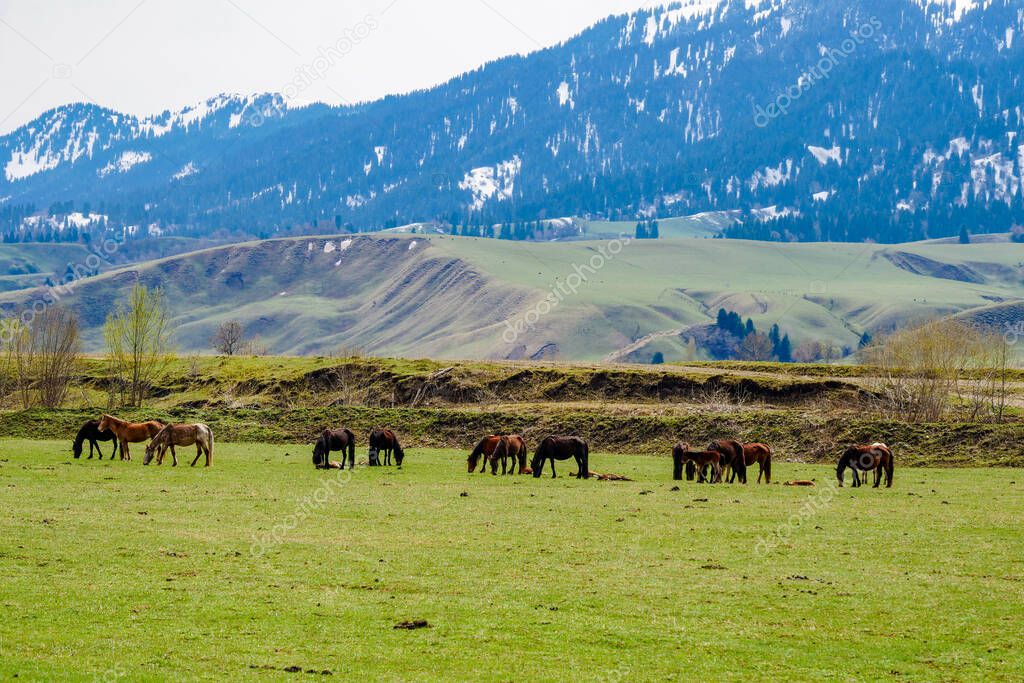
(889, 467)
(521, 455)
(209, 453)
(768, 466)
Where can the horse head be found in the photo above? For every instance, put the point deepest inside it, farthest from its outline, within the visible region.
(537, 464)
(150, 452)
(318, 452)
(104, 423)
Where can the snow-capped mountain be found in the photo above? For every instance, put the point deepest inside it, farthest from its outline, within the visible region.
(816, 119)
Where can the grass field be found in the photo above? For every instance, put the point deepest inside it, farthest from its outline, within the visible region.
(113, 571)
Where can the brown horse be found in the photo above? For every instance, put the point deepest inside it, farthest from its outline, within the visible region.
(758, 453)
(129, 432)
(384, 440)
(492, 449)
(511, 448)
(562, 448)
(696, 461)
(90, 432)
(343, 440)
(877, 457)
(198, 435)
(732, 457)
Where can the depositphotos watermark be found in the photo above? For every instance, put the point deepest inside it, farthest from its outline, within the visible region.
(817, 72)
(305, 508)
(563, 289)
(1014, 331)
(99, 254)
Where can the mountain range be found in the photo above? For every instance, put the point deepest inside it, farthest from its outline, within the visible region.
(811, 120)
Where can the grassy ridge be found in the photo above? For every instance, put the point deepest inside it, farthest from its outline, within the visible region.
(450, 297)
(807, 416)
(260, 565)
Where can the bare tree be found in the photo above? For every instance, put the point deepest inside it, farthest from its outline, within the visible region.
(228, 338)
(43, 357)
(756, 347)
(139, 343)
(945, 367)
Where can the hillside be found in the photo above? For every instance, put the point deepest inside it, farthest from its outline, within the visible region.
(835, 120)
(453, 297)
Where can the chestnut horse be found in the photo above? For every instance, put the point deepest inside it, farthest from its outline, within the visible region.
(696, 461)
(129, 432)
(90, 432)
(343, 440)
(492, 449)
(562, 448)
(386, 441)
(756, 453)
(877, 457)
(198, 435)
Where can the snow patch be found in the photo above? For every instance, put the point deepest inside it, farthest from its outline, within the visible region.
(492, 182)
(565, 95)
(412, 245)
(124, 163)
(825, 155)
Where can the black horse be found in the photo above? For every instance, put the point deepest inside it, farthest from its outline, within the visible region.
(562, 448)
(335, 440)
(384, 441)
(90, 432)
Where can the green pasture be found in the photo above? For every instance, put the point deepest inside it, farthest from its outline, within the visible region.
(261, 565)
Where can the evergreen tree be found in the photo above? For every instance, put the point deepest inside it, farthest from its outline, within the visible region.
(749, 329)
(653, 232)
(641, 231)
(784, 351)
(658, 358)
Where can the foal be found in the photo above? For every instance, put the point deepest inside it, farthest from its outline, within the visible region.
(696, 461)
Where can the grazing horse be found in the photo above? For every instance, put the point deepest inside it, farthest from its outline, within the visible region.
(90, 432)
(343, 440)
(562, 448)
(129, 432)
(386, 441)
(696, 461)
(198, 435)
(732, 457)
(512, 448)
(877, 457)
(756, 453)
(492, 449)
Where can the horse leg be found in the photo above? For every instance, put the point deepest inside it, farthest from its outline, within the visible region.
(126, 454)
(553, 475)
(174, 457)
(878, 475)
(199, 451)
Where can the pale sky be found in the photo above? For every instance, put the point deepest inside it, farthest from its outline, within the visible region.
(142, 57)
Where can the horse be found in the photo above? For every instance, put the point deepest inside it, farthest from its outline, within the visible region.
(90, 432)
(877, 457)
(561, 448)
(698, 461)
(756, 453)
(129, 432)
(386, 441)
(732, 457)
(510, 447)
(198, 435)
(492, 449)
(343, 440)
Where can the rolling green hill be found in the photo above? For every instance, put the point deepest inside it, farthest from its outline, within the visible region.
(453, 297)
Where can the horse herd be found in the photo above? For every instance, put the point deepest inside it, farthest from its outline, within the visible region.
(723, 460)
